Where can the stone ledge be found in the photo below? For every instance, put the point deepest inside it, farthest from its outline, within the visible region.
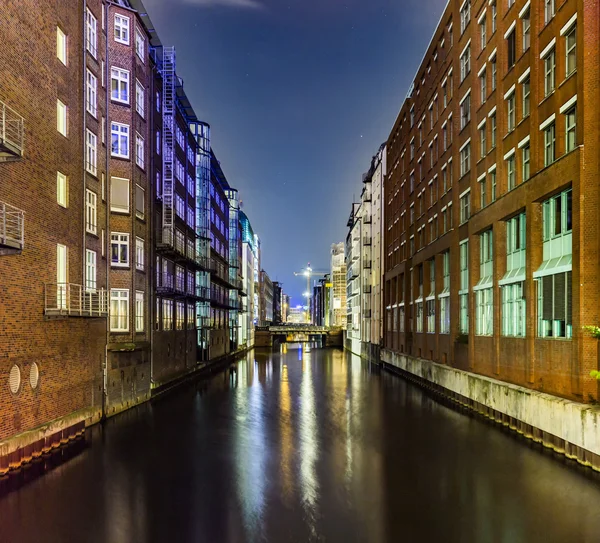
(568, 427)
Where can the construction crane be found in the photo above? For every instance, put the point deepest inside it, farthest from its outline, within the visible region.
(308, 272)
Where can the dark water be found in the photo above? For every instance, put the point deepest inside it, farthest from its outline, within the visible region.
(302, 447)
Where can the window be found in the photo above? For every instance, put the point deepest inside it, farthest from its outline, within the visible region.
(91, 92)
(571, 129)
(494, 73)
(512, 284)
(549, 144)
(180, 316)
(121, 29)
(157, 142)
(119, 310)
(465, 159)
(557, 218)
(465, 111)
(482, 87)
(512, 112)
(412, 116)
(139, 98)
(91, 152)
(140, 46)
(548, 10)
(526, 23)
(191, 316)
(119, 195)
(91, 33)
(61, 45)
(511, 174)
(526, 160)
(526, 96)
(493, 185)
(555, 305)
(465, 207)
(167, 314)
(90, 270)
(61, 189)
(139, 311)
(61, 117)
(493, 131)
(444, 296)
(465, 63)
(139, 150)
(139, 254)
(549, 72)
(484, 325)
(482, 141)
(494, 10)
(482, 191)
(463, 293)
(91, 212)
(119, 249)
(119, 140)
(158, 101)
(119, 85)
(511, 43)
(140, 197)
(482, 33)
(571, 50)
(431, 316)
(465, 15)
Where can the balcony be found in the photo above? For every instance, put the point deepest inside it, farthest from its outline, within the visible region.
(366, 289)
(367, 240)
(367, 196)
(367, 219)
(71, 300)
(12, 134)
(367, 264)
(12, 229)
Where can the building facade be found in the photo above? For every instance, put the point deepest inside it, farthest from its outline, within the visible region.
(266, 299)
(277, 302)
(338, 314)
(491, 203)
(355, 268)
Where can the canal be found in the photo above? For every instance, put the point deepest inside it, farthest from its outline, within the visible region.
(304, 446)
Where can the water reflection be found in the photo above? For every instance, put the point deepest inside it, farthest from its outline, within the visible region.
(302, 445)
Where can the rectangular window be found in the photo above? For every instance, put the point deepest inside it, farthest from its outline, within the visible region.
(555, 305)
(465, 159)
(548, 10)
(139, 254)
(493, 186)
(484, 300)
(90, 270)
(139, 98)
(526, 172)
(91, 91)
(119, 140)
(482, 87)
(512, 112)
(61, 45)
(513, 310)
(61, 189)
(493, 128)
(140, 46)
(465, 207)
(465, 111)
(482, 141)
(571, 50)
(482, 33)
(526, 22)
(511, 44)
(463, 293)
(549, 144)
(119, 310)
(167, 314)
(139, 311)
(526, 97)
(119, 85)
(119, 195)
(119, 249)
(557, 217)
(419, 314)
(180, 316)
(549, 73)
(140, 202)
(139, 151)
(511, 173)
(91, 33)
(61, 275)
(465, 63)
(121, 29)
(430, 316)
(482, 192)
(494, 10)
(484, 323)
(91, 212)
(494, 66)
(61, 117)
(571, 129)
(465, 15)
(91, 152)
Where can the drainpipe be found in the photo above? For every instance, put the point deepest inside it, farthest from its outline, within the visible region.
(105, 8)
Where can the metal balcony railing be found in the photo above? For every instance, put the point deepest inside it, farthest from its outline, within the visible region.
(165, 282)
(12, 229)
(12, 134)
(69, 299)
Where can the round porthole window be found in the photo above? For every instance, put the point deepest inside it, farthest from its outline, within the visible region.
(14, 379)
(34, 376)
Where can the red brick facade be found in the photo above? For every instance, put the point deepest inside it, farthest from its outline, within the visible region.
(428, 176)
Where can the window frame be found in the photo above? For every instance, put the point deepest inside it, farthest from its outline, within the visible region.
(120, 240)
(122, 26)
(121, 297)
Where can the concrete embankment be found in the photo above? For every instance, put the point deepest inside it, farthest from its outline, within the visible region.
(567, 427)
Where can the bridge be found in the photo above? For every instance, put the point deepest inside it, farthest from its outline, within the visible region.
(268, 336)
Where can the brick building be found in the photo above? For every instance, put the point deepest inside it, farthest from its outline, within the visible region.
(491, 198)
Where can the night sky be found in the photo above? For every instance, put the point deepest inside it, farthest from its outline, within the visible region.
(299, 95)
